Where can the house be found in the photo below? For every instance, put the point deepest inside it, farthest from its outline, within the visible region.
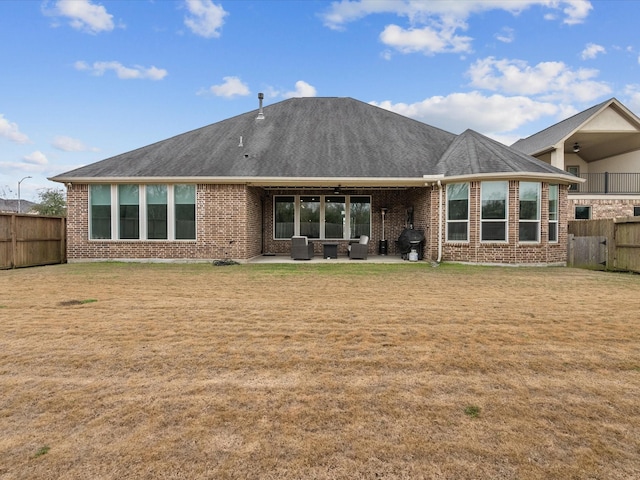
(15, 206)
(602, 146)
(330, 169)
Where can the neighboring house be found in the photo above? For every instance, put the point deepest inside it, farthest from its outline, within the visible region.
(331, 169)
(602, 146)
(11, 206)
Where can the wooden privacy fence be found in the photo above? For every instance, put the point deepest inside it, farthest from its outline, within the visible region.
(621, 247)
(30, 240)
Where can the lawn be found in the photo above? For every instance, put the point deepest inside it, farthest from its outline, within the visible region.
(117, 371)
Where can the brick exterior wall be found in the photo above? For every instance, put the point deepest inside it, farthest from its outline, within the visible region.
(397, 202)
(513, 252)
(228, 225)
(236, 221)
(605, 208)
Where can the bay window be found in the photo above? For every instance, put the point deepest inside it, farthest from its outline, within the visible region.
(157, 212)
(100, 211)
(553, 213)
(529, 217)
(458, 212)
(185, 212)
(129, 211)
(494, 200)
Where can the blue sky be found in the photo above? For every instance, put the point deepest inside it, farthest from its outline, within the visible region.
(83, 80)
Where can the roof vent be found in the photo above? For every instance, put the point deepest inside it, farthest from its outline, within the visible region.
(260, 112)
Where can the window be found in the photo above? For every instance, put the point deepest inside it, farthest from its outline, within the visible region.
(458, 212)
(636, 211)
(129, 211)
(575, 171)
(284, 217)
(100, 205)
(359, 217)
(336, 217)
(529, 224)
(583, 212)
(156, 212)
(142, 212)
(553, 213)
(494, 211)
(310, 217)
(185, 212)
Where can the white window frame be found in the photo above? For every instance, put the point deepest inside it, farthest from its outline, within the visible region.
(142, 217)
(495, 220)
(557, 210)
(538, 212)
(322, 237)
(465, 221)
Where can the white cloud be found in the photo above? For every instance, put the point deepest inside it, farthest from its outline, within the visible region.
(11, 131)
(36, 158)
(433, 26)
(232, 87)
(592, 50)
(633, 97)
(68, 144)
(205, 18)
(84, 15)
(122, 72)
(506, 35)
(490, 115)
(551, 81)
(427, 40)
(303, 89)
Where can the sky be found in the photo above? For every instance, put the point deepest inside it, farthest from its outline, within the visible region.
(84, 80)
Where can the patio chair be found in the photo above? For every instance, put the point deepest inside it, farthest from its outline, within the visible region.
(301, 248)
(359, 250)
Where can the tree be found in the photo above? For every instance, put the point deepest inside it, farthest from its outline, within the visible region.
(52, 202)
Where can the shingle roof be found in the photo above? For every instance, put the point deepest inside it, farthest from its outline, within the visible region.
(299, 137)
(314, 138)
(550, 136)
(473, 154)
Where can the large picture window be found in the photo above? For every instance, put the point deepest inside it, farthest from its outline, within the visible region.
(529, 224)
(142, 212)
(185, 212)
(494, 196)
(553, 213)
(458, 212)
(284, 217)
(129, 211)
(100, 201)
(156, 212)
(335, 217)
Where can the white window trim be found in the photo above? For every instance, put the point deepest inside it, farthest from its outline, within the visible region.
(296, 216)
(493, 220)
(557, 212)
(457, 221)
(142, 217)
(538, 213)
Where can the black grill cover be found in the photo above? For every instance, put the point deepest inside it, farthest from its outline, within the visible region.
(408, 237)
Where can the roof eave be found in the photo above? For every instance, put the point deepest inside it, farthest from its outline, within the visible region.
(546, 177)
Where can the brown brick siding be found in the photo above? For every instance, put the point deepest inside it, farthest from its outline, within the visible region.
(513, 252)
(230, 220)
(604, 208)
(227, 226)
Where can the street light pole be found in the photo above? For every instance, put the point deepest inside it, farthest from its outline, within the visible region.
(20, 209)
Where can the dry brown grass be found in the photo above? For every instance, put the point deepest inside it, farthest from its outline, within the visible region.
(318, 372)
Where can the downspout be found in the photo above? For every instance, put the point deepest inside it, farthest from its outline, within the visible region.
(440, 223)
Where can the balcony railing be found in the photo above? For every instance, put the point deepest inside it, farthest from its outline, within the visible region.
(608, 183)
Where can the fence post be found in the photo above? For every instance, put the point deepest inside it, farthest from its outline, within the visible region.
(14, 241)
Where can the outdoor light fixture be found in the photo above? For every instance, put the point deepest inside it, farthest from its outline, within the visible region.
(19, 205)
(576, 147)
(336, 191)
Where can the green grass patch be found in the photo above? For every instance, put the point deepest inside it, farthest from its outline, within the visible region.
(472, 411)
(42, 451)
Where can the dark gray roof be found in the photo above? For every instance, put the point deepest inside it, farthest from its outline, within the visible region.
(7, 205)
(314, 138)
(299, 137)
(550, 136)
(473, 154)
